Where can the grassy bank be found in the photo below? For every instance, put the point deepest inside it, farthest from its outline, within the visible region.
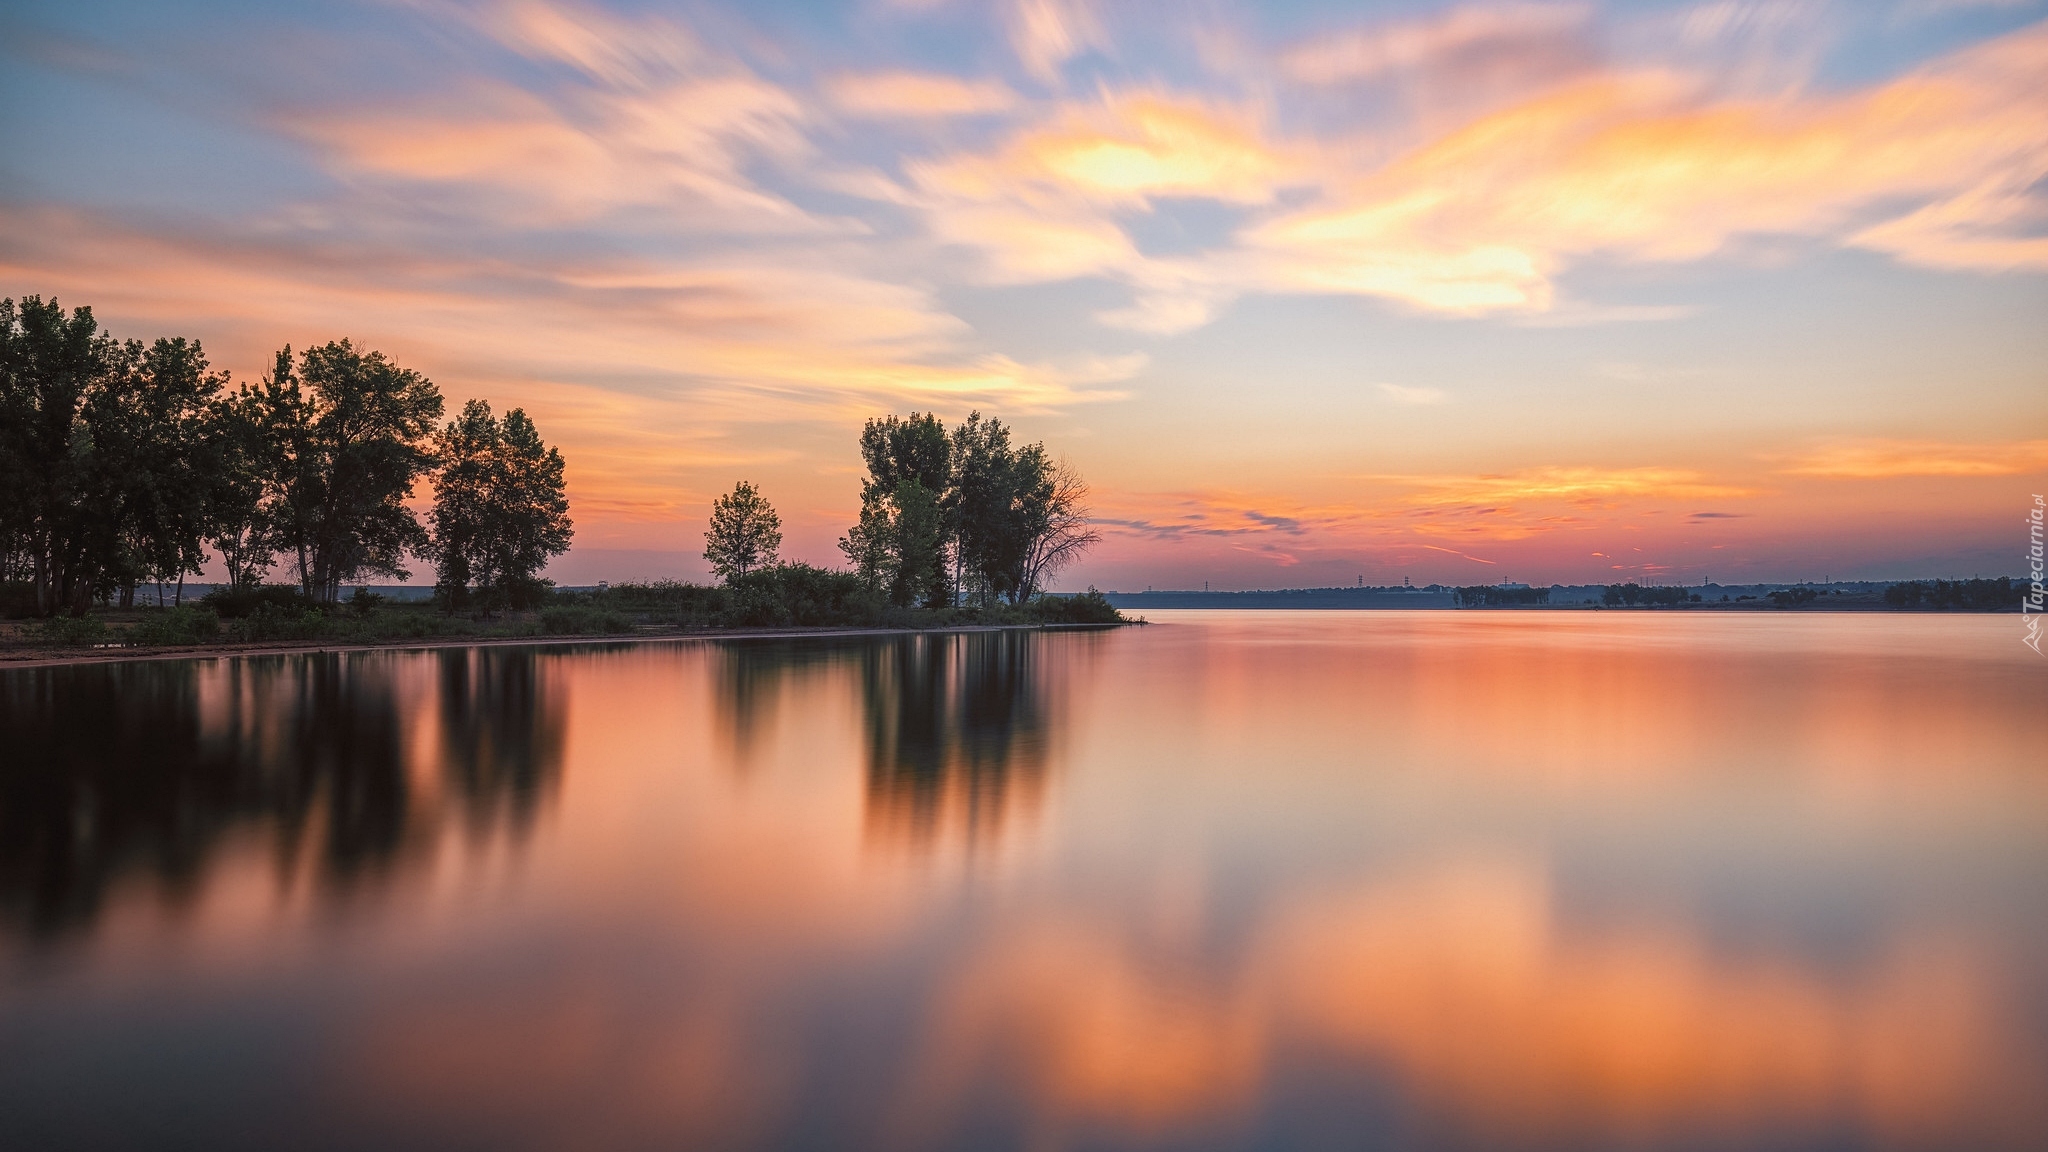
(789, 596)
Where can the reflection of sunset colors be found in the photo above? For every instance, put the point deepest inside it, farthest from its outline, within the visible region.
(1530, 881)
(1500, 1024)
(1463, 292)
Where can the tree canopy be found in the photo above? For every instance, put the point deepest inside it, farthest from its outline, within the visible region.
(745, 532)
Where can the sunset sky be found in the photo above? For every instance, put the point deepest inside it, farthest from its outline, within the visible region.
(1310, 292)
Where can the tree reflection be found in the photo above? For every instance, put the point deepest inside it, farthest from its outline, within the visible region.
(502, 734)
(131, 771)
(957, 733)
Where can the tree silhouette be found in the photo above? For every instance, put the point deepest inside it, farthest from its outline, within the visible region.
(745, 532)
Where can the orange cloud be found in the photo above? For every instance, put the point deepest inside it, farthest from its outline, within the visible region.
(1636, 166)
(917, 94)
(1880, 459)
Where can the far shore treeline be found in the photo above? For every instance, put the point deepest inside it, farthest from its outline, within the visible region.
(128, 465)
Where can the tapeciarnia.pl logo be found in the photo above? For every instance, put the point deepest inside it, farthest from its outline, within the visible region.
(2032, 602)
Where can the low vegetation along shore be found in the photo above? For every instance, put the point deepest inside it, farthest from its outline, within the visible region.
(130, 467)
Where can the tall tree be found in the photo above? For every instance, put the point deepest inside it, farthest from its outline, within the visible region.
(500, 506)
(243, 466)
(52, 365)
(531, 505)
(353, 430)
(919, 535)
(156, 459)
(745, 532)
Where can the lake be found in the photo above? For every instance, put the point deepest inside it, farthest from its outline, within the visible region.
(1235, 880)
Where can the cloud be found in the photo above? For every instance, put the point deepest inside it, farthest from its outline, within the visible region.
(1047, 33)
(886, 95)
(1636, 166)
(599, 44)
(1882, 459)
(1565, 483)
(1436, 41)
(1413, 396)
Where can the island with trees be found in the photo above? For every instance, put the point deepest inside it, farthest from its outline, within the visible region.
(128, 468)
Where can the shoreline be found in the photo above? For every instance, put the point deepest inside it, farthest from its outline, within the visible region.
(57, 657)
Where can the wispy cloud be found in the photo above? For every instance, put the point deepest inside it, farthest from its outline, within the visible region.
(1413, 395)
(1880, 459)
(917, 95)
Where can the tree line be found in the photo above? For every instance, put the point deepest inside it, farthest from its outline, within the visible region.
(948, 518)
(124, 463)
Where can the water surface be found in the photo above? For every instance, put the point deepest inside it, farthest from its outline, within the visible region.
(1237, 880)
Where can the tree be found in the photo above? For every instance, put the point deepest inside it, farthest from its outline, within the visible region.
(1059, 534)
(745, 532)
(500, 506)
(52, 367)
(530, 505)
(352, 432)
(920, 546)
(155, 459)
(870, 546)
(242, 469)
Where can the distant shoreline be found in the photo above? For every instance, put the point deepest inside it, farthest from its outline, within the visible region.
(57, 657)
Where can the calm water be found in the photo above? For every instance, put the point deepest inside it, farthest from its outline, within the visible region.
(1265, 880)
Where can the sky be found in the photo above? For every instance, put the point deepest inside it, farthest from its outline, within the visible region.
(1311, 293)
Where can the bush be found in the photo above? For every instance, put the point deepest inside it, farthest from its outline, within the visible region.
(799, 596)
(69, 631)
(245, 599)
(365, 602)
(181, 625)
(1090, 607)
(583, 620)
(1793, 597)
(270, 622)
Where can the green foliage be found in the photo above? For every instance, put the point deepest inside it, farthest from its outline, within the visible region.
(67, 631)
(1090, 607)
(500, 509)
(918, 570)
(351, 431)
(99, 460)
(745, 532)
(798, 596)
(1487, 596)
(1008, 518)
(182, 625)
(1792, 597)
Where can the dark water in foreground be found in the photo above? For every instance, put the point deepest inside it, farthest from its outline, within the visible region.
(1264, 880)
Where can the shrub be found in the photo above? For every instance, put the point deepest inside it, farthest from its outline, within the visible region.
(800, 596)
(182, 625)
(1090, 607)
(69, 631)
(365, 602)
(270, 622)
(242, 600)
(583, 620)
